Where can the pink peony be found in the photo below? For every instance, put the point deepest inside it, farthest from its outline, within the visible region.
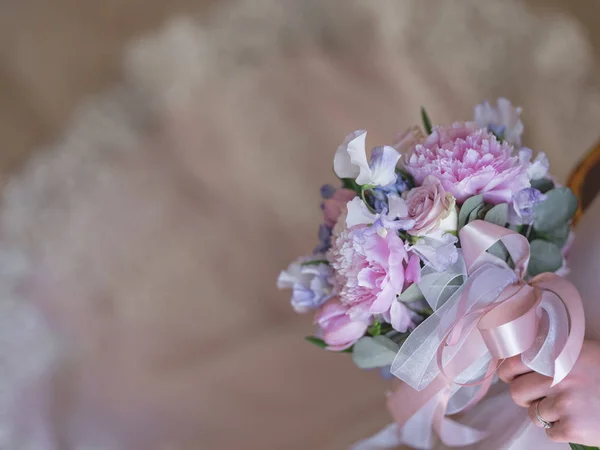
(372, 267)
(338, 329)
(468, 161)
(432, 208)
(334, 205)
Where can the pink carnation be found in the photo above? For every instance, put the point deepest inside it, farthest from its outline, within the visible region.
(468, 161)
(371, 269)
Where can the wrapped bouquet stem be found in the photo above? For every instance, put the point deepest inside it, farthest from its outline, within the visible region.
(440, 257)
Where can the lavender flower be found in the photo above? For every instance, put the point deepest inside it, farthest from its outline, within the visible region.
(325, 232)
(521, 212)
(327, 191)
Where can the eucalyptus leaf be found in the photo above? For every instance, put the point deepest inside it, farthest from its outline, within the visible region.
(557, 210)
(498, 215)
(545, 257)
(543, 185)
(411, 294)
(499, 250)
(470, 205)
(558, 236)
(372, 352)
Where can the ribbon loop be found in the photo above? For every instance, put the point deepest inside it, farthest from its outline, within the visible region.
(495, 314)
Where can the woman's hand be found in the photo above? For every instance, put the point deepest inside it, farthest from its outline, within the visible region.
(573, 405)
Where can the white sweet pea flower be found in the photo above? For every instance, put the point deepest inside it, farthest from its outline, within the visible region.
(395, 217)
(437, 249)
(350, 161)
(503, 120)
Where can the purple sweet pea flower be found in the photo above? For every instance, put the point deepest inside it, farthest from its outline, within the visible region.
(521, 212)
(309, 281)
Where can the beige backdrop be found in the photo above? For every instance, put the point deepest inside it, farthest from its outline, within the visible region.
(182, 173)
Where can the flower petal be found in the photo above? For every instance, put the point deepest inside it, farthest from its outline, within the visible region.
(397, 207)
(358, 213)
(350, 158)
(383, 167)
(400, 318)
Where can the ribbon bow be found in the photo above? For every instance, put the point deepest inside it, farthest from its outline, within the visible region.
(448, 362)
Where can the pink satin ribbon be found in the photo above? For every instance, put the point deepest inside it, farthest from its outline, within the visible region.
(495, 315)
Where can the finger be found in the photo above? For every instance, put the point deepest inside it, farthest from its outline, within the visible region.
(546, 410)
(511, 368)
(530, 387)
(563, 431)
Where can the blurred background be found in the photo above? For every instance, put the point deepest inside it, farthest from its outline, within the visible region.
(161, 163)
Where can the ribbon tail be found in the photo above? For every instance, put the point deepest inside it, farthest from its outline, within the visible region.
(568, 294)
(388, 438)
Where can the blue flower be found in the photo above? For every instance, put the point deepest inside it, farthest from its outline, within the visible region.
(379, 195)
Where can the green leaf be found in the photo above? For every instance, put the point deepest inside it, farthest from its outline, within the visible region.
(557, 210)
(470, 205)
(545, 257)
(406, 177)
(315, 262)
(372, 352)
(321, 343)
(582, 447)
(426, 121)
(499, 250)
(479, 213)
(558, 236)
(316, 341)
(349, 183)
(498, 215)
(543, 185)
(375, 329)
(411, 294)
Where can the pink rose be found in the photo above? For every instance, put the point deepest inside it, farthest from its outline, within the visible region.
(339, 330)
(431, 207)
(334, 205)
(468, 161)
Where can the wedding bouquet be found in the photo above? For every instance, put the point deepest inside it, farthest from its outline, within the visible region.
(438, 257)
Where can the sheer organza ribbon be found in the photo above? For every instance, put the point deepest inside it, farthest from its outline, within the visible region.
(448, 362)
